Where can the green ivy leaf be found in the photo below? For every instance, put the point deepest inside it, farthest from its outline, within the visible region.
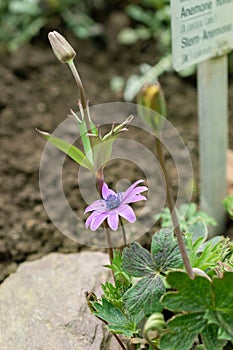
(117, 321)
(143, 298)
(137, 261)
(165, 251)
(72, 151)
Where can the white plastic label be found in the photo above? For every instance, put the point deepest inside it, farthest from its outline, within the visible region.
(201, 29)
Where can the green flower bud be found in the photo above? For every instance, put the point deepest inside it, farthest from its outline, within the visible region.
(152, 98)
(61, 48)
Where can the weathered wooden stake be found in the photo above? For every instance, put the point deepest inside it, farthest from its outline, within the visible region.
(213, 137)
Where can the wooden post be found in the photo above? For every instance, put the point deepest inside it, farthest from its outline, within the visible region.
(213, 137)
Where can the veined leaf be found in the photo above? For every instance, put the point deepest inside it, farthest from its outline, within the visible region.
(143, 298)
(72, 151)
(137, 261)
(183, 329)
(165, 251)
(212, 301)
(117, 321)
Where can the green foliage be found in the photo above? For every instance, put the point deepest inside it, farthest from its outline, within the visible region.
(188, 215)
(203, 307)
(228, 205)
(123, 280)
(149, 283)
(110, 309)
(206, 256)
(72, 151)
(118, 322)
(21, 20)
(143, 297)
(152, 20)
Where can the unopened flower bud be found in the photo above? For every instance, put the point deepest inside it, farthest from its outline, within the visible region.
(61, 48)
(151, 96)
(152, 99)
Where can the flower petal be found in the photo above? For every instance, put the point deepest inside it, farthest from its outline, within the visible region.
(131, 188)
(134, 195)
(127, 213)
(97, 221)
(106, 191)
(113, 220)
(90, 219)
(98, 205)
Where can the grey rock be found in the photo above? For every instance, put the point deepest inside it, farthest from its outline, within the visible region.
(42, 305)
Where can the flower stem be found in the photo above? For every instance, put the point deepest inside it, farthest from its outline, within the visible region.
(171, 206)
(109, 241)
(82, 96)
(123, 233)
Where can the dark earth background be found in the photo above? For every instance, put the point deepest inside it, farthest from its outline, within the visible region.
(36, 91)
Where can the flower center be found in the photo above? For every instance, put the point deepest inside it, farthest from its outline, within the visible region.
(112, 201)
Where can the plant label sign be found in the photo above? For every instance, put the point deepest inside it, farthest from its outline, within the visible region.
(201, 29)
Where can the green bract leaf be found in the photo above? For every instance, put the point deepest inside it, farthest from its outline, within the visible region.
(102, 153)
(117, 321)
(143, 298)
(72, 151)
(85, 140)
(137, 261)
(165, 251)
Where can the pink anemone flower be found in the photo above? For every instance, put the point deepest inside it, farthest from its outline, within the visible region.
(114, 204)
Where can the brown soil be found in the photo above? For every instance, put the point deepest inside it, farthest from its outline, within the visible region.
(37, 92)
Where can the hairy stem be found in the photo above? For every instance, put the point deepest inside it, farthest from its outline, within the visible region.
(171, 206)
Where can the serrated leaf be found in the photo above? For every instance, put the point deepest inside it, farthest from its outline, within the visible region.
(193, 295)
(223, 290)
(72, 151)
(182, 331)
(137, 261)
(214, 300)
(210, 338)
(117, 321)
(144, 296)
(165, 251)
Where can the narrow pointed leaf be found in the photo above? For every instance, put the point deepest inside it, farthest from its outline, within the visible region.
(85, 140)
(72, 151)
